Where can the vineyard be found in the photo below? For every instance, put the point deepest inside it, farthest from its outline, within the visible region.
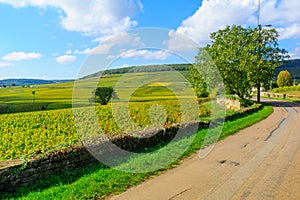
(37, 132)
(145, 100)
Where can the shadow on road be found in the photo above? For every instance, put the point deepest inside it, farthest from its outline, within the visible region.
(280, 103)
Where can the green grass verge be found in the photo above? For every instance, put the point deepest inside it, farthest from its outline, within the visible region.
(99, 181)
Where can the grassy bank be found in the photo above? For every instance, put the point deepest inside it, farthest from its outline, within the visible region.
(99, 181)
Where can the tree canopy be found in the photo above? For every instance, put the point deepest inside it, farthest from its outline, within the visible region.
(284, 79)
(103, 94)
(245, 57)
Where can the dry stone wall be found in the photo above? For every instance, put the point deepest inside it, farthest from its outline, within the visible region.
(15, 173)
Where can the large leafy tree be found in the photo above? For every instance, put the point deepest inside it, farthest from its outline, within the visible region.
(266, 57)
(245, 57)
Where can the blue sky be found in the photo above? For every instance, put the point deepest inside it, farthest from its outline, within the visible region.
(53, 39)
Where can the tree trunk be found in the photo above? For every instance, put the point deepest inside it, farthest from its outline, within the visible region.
(258, 93)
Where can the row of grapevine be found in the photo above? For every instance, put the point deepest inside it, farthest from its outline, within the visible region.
(27, 133)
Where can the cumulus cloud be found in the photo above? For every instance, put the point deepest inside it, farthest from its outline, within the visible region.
(180, 42)
(4, 64)
(292, 31)
(122, 39)
(65, 59)
(295, 54)
(91, 17)
(18, 56)
(213, 15)
(284, 12)
(146, 54)
(284, 15)
(69, 52)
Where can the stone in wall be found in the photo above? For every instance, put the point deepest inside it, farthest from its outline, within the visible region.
(229, 103)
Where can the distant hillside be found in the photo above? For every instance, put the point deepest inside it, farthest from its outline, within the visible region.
(21, 82)
(293, 66)
(144, 68)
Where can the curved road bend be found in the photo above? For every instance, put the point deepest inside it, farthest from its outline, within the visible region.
(260, 162)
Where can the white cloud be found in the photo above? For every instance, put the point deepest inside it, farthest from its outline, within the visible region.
(213, 15)
(101, 49)
(284, 12)
(91, 17)
(108, 42)
(179, 42)
(69, 52)
(295, 54)
(4, 64)
(124, 65)
(65, 59)
(146, 54)
(17, 56)
(292, 31)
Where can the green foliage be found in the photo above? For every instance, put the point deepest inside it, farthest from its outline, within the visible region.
(85, 183)
(204, 75)
(147, 68)
(246, 102)
(245, 57)
(198, 83)
(227, 51)
(286, 89)
(103, 94)
(267, 56)
(284, 79)
(28, 133)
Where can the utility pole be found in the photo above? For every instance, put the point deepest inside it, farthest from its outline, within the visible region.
(259, 42)
(33, 92)
(294, 80)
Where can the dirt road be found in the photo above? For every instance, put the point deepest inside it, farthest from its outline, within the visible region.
(260, 162)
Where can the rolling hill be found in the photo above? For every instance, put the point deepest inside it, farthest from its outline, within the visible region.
(22, 82)
(293, 66)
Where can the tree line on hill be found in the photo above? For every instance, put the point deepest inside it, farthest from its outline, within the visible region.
(143, 68)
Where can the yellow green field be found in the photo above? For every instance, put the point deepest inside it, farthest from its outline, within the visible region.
(144, 100)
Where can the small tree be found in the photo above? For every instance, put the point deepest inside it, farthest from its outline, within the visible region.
(103, 94)
(284, 79)
(198, 83)
(204, 75)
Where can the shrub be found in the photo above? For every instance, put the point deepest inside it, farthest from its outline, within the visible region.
(286, 89)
